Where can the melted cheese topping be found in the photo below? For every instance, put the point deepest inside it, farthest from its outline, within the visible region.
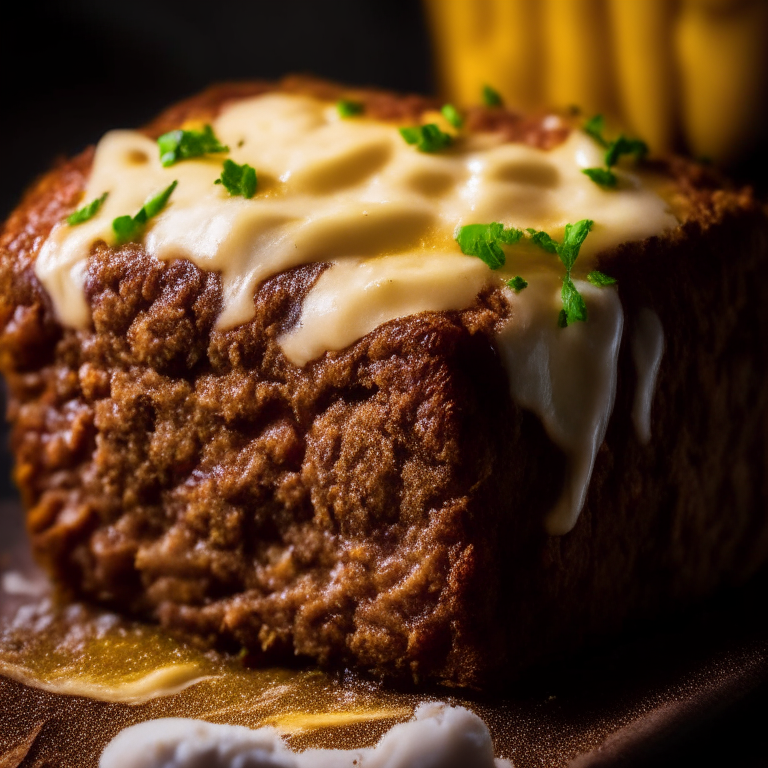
(357, 295)
(353, 194)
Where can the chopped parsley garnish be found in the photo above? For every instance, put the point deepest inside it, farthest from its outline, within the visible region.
(348, 108)
(427, 138)
(600, 279)
(184, 145)
(575, 235)
(602, 176)
(485, 240)
(451, 114)
(491, 97)
(517, 284)
(595, 127)
(130, 228)
(543, 240)
(574, 309)
(625, 146)
(87, 211)
(238, 179)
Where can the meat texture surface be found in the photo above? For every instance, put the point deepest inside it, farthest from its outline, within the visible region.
(383, 506)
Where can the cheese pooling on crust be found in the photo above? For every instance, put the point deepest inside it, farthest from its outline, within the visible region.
(353, 194)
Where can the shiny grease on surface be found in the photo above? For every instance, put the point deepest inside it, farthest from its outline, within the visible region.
(550, 725)
(81, 651)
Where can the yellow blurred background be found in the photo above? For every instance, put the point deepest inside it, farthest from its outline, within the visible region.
(688, 75)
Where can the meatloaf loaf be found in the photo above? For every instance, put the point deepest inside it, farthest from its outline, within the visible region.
(383, 505)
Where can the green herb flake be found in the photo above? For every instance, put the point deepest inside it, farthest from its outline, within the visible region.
(601, 176)
(87, 211)
(574, 309)
(485, 240)
(595, 127)
(184, 145)
(130, 228)
(238, 179)
(451, 114)
(510, 235)
(426, 138)
(517, 284)
(348, 108)
(491, 97)
(614, 150)
(157, 202)
(600, 279)
(127, 229)
(543, 240)
(411, 135)
(625, 146)
(575, 234)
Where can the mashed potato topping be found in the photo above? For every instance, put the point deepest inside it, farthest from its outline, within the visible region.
(354, 194)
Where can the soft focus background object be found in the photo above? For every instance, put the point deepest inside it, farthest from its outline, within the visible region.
(688, 75)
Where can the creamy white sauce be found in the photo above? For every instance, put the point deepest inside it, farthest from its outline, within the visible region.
(566, 376)
(647, 351)
(355, 296)
(438, 736)
(354, 194)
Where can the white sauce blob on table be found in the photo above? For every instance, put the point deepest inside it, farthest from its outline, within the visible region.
(353, 194)
(438, 736)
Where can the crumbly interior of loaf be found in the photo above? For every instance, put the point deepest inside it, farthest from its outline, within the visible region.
(197, 477)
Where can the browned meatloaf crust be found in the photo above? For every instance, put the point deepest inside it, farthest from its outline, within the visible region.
(383, 506)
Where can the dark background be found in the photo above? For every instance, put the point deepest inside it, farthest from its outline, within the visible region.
(72, 70)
